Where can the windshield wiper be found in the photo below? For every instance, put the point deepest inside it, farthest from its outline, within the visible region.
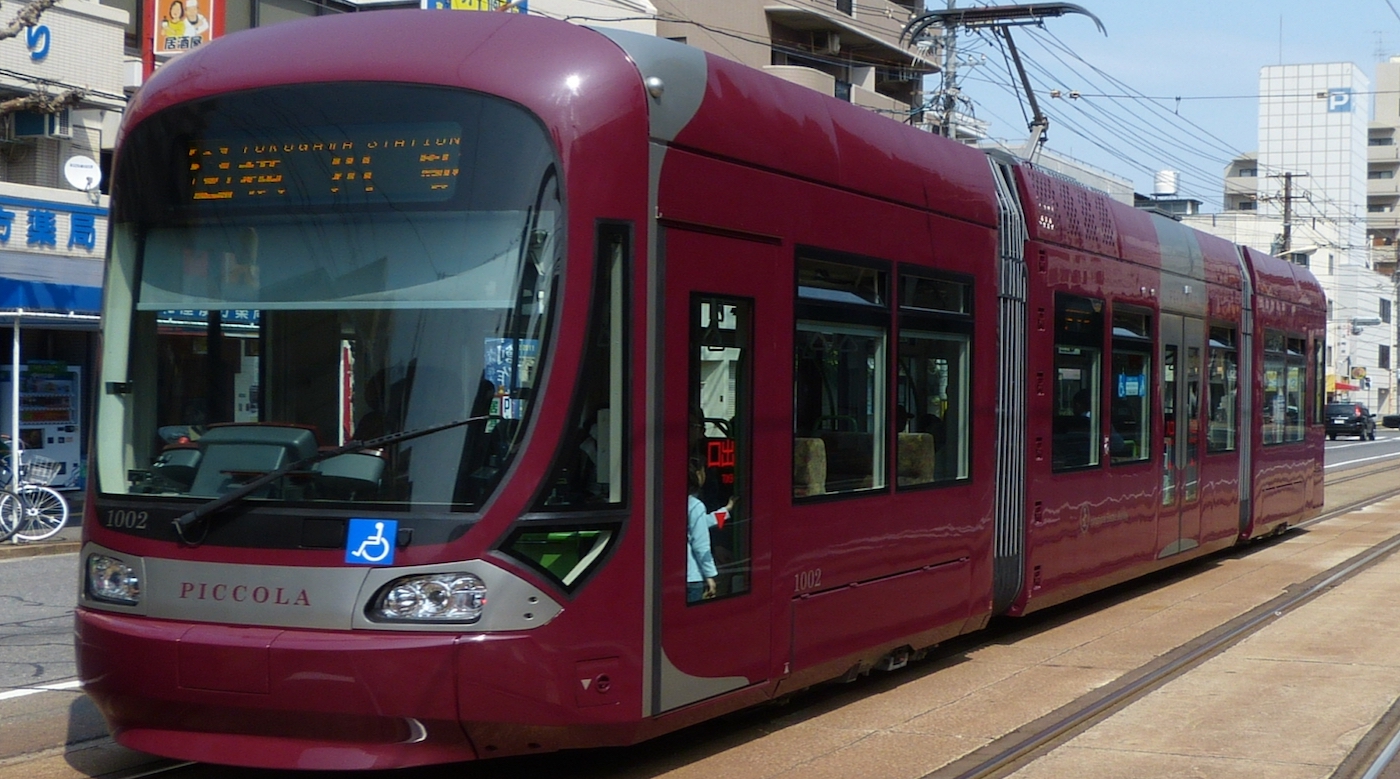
(202, 511)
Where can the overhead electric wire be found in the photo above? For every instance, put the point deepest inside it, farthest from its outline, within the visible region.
(1124, 149)
(1135, 132)
(1138, 133)
(1140, 98)
(1147, 124)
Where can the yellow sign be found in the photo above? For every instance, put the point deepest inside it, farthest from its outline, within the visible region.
(509, 6)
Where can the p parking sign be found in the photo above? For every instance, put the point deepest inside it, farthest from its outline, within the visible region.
(1339, 100)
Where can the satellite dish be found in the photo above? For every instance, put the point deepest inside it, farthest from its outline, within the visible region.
(82, 173)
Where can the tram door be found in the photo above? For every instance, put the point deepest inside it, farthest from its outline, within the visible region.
(717, 348)
(1183, 367)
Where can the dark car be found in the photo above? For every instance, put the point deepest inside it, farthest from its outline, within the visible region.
(1350, 419)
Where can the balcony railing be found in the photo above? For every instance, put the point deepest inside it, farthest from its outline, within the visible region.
(870, 28)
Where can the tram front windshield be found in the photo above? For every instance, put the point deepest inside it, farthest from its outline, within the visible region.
(301, 267)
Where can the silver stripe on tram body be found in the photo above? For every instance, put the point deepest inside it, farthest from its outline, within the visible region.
(1183, 288)
(675, 77)
(311, 597)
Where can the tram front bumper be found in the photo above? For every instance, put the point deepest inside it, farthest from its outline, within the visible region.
(271, 697)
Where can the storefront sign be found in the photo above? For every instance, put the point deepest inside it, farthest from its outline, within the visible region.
(509, 6)
(180, 25)
(40, 225)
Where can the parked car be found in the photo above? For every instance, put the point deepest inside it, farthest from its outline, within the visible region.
(1390, 420)
(1350, 419)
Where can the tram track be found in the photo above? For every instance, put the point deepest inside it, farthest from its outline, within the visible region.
(1369, 760)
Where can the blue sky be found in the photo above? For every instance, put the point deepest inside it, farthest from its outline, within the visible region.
(1206, 52)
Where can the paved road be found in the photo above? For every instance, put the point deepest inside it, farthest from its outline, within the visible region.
(37, 597)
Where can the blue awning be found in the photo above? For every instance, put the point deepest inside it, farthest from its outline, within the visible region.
(48, 297)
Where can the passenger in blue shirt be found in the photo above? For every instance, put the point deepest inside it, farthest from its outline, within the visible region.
(700, 570)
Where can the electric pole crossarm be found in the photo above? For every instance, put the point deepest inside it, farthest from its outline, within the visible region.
(992, 16)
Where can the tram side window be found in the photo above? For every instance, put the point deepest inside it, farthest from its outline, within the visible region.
(1223, 386)
(1079, 323)
(840, 391)
(1284, 371)
(1130, 423)
(1318, 387)
(1294, 387)
(933, 374)
(588, 470)
(717, 457)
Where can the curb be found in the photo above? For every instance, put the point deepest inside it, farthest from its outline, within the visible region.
(9, 551)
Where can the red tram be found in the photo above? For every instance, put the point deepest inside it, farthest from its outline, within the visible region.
(414, 327)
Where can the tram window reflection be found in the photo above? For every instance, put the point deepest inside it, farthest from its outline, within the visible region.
(1222, 386)
(1077, 412)
(717, 453)
(840, 395)
(1130, 387)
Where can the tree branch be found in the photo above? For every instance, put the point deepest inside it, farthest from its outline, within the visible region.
(42, 102)
(28, 16)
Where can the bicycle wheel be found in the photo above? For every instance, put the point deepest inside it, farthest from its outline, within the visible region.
(44, 512)
(11, 515)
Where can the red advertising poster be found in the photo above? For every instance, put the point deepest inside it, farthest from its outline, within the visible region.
(181, 25)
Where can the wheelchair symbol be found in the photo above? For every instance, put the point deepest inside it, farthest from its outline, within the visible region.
(371, 541)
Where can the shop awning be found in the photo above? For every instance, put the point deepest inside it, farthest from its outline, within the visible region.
(46, 297)
(1345, 387)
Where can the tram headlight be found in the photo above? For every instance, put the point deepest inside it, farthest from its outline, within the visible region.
(436, 597)
(113, 581)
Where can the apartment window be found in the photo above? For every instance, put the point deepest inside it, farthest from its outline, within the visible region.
(1380, 174)
(1248, 205)
(1385, 310)
(1383, 357)
(846, 7)
(1247, 173)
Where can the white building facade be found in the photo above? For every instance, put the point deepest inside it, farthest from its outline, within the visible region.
(61, 85)
(1313, 130)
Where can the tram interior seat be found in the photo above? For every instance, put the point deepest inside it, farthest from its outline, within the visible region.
(808, 467)
(849, 460)
(916, 458)
(233, 453)
(1073, 442)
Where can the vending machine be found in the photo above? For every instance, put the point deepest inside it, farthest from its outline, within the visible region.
(50, 416)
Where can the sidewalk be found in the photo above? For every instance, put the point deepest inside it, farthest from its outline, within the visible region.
(62, 542)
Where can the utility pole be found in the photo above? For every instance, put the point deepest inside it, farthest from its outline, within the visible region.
(950, 77)
(1287, 212)
(1285, 244)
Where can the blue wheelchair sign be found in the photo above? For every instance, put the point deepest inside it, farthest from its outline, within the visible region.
(371, 541)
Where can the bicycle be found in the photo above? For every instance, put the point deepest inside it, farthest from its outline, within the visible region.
(31, 510)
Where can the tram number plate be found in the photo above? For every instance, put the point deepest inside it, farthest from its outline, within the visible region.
(123, 519)
(807, 580)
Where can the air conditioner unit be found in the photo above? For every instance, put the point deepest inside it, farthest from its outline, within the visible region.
(30, 124)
